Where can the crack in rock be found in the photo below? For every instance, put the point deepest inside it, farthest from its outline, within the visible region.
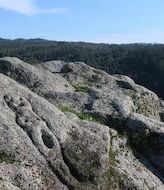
(42, 138)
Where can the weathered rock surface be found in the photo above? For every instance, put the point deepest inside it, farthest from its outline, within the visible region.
(42, 149)
(38, 80)
(70, 126)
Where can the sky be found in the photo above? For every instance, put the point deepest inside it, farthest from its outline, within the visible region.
(99, 21)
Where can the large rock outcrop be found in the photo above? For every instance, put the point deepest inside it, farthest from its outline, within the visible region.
(70, 126)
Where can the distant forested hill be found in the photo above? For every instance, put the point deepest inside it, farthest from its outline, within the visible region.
(142, 62)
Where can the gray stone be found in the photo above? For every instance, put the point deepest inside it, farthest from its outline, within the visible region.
(107, 134)
(40, 148)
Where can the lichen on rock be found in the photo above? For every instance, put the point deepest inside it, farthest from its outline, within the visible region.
(69, 126)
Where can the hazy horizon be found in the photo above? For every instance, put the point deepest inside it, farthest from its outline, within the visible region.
(67, 41)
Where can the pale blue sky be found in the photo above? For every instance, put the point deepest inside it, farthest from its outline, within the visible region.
(108, 21)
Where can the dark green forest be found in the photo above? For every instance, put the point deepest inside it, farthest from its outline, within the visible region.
(142, 62)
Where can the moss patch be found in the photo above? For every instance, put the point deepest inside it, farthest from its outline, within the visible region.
(81, 88)
(6, 158)
(115, 179)
(112, 158)
(83, 116)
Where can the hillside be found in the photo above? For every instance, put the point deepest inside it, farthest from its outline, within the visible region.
(144, 63)
(69, 126)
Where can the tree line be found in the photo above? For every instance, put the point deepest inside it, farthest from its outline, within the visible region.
(142, 62)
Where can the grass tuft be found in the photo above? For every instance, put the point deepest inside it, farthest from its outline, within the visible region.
(83, 116)
(6, 158)
(81, 88)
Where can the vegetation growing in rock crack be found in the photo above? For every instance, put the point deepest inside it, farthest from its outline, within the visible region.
(81, 88)
(6, 158)
(114, 178)
(83, 116)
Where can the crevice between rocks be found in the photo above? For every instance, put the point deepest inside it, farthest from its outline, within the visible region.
(62, 180)
(71, 167)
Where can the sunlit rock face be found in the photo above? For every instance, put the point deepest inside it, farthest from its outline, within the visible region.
(72, 127)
